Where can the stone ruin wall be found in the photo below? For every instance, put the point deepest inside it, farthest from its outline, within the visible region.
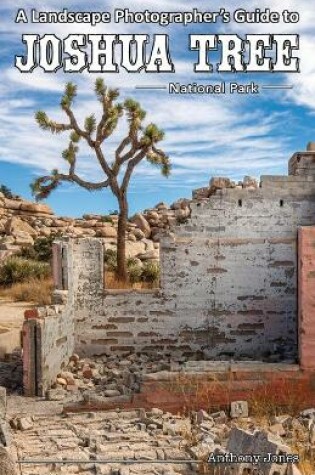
(228, 282)
(228, 285)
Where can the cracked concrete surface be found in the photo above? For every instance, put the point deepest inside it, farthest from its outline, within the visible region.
(118, 436)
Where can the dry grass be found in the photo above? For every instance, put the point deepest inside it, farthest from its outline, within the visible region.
(265, 401)
(306, 463)
(275, 397)
(37, 291)
(196, 393)
(111, 282)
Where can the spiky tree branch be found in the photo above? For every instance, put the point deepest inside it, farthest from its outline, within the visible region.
(139, 144)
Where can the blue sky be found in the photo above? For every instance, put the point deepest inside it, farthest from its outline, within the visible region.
(205, 135)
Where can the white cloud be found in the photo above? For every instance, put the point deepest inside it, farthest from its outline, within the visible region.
(204, 134)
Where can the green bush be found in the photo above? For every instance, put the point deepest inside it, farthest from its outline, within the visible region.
(41, 249)
(107, 219)
(28, 253)
(132, 261)
(150, 272)
(134, 273)
(110, 259)
(6, 191)
(17, 269)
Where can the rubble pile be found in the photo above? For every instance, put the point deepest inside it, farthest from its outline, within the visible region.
(107, 376)
(156, 442)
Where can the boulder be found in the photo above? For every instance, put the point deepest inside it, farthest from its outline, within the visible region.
(86, 224)
(132, 237)
(134, 248)
(7, 240)
(148, 244)
(150, 255)
(12, 204)
(250, 182)
(181, 214)
(161, 206)
(138, 234)
(218, 183)
(67, 376)
(142, 224)
(35, 208)
(152, 215)
(23, 239)
(201, 193)
(15, 224)
(107, 232)
(59, 223)
(45, 232)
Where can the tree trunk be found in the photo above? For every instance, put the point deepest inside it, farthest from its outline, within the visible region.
(121, 239)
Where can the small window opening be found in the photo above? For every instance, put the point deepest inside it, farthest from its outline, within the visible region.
(240, 203)
(281, 203)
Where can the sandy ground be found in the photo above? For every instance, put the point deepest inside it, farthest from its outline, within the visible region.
(11, 321)
(12, 313)
(30, 406)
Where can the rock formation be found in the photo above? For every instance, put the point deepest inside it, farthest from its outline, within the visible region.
(22, 222)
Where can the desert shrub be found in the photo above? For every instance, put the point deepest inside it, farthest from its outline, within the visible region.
(17, 269)
(41, 249)
(134, 270)
(134, 273)
(28, 253)
(37, 291)
(132, 261)
(6, 191)
(273, 397)
(112, 282)
(110, 259)
(107, 219)
(150, 272)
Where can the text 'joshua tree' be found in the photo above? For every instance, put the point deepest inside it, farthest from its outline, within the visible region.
(140, 143)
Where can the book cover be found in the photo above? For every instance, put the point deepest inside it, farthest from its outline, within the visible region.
(157, 237)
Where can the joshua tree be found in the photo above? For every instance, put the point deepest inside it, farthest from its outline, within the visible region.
(140, 143)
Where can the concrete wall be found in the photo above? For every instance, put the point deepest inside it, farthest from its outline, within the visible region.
(48, 343)
(228, 286)
(57, 344)
(307, 297)
(48, 332)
